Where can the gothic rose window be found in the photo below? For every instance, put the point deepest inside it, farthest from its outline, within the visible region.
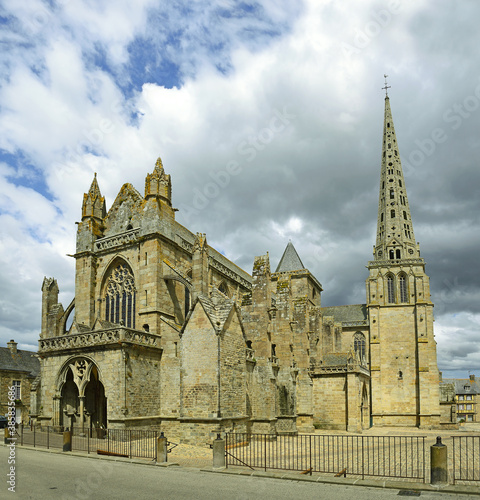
(120, 297)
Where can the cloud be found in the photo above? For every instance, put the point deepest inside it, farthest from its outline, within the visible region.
(268, 116)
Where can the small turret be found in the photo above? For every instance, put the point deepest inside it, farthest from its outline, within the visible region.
(49, 299)
(158, 184)
(93, 203)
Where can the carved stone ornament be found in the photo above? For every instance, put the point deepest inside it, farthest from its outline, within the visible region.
(81, 369)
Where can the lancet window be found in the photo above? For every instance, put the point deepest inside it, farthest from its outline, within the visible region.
(402, 282)
(391, 289)
(120, 297)
(359, 344)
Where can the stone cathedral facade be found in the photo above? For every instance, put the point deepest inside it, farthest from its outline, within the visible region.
(165, 332)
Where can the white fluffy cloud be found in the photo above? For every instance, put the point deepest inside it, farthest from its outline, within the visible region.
(290, 95)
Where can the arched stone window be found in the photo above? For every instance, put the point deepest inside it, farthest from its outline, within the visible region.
(402, 282)
(391, 289)
(359, 344)
(223, 288)
(120, 296)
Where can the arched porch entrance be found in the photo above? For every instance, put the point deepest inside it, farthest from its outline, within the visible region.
(82, 403)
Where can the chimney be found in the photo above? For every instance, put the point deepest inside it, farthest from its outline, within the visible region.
(12, 345)
(472, 378)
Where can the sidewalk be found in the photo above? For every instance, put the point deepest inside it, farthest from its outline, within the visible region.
(201, 458)
(187, 455)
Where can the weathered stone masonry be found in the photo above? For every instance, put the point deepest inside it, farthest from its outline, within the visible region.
(167, 333)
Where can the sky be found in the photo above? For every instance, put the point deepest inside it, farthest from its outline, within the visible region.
(267, 115)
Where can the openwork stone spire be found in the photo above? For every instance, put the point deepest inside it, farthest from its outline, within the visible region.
(395, 238)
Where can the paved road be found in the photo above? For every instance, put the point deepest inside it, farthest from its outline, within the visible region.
(41, 475)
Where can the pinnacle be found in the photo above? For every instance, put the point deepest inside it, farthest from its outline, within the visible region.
(159, 164)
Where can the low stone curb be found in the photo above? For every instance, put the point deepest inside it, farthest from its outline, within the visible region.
(372, 483)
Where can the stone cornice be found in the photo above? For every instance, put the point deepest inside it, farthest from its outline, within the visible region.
(316, 371)
(355, 323)
(396, 263)
(228, 272)
(117, 240)
(99, 338)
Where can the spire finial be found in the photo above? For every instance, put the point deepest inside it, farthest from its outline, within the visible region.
(386, 86)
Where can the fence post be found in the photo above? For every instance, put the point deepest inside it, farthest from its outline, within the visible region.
(438, 463)
(7, 436)
(218, 453)
(162, 448)
(67, 441)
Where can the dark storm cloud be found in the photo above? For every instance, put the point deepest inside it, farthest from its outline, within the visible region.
(298, 112)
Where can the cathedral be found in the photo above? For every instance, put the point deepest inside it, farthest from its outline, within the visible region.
(164, 332)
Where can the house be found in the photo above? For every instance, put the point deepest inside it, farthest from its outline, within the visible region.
(20, 372)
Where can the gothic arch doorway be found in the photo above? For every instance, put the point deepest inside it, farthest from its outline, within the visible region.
(83, 401)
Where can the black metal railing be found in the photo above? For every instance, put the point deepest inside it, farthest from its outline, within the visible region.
(383, 456)
(466, 458)
(49, 436)
(129, 443)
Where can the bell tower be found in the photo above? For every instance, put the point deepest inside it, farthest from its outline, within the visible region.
(403, 358)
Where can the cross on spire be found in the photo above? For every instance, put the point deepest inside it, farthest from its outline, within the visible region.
(386, 86)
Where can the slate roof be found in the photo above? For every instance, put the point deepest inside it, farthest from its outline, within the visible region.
(290, 260)
(464, 385)
(347, 314)
(22, 361)
(217, 308)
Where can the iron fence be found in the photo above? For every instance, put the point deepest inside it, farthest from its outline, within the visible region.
(49, 436)
(466, 458)
(384, 456)
(128, 443)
